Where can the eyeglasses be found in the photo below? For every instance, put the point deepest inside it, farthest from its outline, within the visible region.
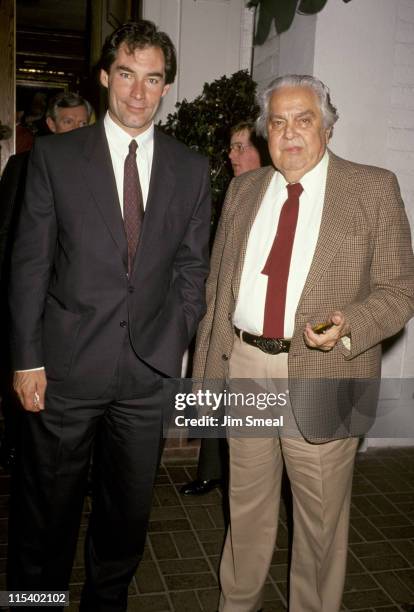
(238, 147)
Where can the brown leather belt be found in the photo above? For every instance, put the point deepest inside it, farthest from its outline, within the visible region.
(273, 346)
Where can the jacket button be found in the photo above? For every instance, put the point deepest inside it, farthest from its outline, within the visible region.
(225, 357)
(123, 324)
(131, 289)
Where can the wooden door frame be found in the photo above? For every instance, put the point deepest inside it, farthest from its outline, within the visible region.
(7, 79)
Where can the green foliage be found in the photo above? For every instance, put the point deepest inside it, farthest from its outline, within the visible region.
(204, 125)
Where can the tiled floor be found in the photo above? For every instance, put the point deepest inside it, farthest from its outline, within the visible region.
(178, 572)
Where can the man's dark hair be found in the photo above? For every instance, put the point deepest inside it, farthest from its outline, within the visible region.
(139, 35)
(259, 143)
(67, 100)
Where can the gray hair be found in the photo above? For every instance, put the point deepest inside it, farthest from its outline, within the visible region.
(67, 100)
(328, 110)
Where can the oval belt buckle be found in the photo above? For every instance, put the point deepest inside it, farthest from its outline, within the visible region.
(273, 346)
(278, 346)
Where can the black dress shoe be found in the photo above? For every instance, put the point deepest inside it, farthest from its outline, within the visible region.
(200, 487)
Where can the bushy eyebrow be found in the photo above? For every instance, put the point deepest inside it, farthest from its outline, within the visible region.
(127, 69)
(299, 115)
(306, 113)
(123, 69)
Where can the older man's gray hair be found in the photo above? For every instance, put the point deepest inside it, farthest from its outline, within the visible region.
(67, 100)
(328, 110)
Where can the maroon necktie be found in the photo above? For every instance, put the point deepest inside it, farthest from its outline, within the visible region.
(133, 204)
(278, 263)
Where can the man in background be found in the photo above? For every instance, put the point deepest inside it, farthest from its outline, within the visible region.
(247, 151)
(66, 112)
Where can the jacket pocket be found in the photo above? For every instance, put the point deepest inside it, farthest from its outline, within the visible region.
(60, 331)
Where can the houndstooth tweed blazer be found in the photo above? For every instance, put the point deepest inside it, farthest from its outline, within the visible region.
(363, 265)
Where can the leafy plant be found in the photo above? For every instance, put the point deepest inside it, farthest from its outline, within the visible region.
(282, 12)
(204, 125)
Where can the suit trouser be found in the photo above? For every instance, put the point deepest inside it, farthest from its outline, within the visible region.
(55, 460)
(212, 460)
(321, 479)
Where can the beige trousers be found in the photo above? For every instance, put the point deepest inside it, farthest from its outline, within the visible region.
(321, 479)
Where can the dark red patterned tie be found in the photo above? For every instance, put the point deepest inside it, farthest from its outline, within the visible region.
(133, 203)
(278, 264)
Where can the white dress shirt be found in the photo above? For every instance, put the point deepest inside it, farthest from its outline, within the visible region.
(118, 141)
(249, 312)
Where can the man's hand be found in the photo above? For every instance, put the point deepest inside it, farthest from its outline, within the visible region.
(30, 387)
(328, 339)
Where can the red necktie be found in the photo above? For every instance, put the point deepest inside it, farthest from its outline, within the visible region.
(278, 263)
(133, 204)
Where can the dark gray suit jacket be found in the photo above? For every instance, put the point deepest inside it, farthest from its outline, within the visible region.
(70, 294)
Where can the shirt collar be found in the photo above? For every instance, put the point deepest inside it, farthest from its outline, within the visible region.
(120, 139)
(311, 181)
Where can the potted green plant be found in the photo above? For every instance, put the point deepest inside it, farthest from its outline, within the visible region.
(204, 125)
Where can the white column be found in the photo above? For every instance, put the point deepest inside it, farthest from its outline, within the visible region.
(364, 51)
(211, 40)
(354, 50)
(290, 53)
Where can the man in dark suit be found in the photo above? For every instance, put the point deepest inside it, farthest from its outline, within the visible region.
(107, 290)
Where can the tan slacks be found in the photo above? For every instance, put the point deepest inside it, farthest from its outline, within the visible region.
(321, 479)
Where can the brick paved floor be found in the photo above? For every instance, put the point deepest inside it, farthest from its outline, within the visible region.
(178, 572)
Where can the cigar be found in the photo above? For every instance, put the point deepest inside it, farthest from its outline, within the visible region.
(321, 327)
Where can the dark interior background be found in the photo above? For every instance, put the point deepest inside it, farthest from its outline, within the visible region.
(54, 45)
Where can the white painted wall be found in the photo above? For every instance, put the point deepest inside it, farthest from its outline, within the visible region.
(212, 37)
(354, 51)
(373, 43)
(400, 136)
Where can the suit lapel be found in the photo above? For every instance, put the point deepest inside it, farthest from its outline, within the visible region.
(99, 175)
(337, 216)
(161, 189)
(247, 209)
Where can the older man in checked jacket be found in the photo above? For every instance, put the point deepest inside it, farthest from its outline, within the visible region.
(349, 265)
